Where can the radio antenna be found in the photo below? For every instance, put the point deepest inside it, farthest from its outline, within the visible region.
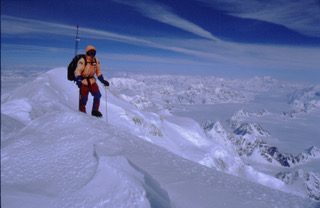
(77, 40)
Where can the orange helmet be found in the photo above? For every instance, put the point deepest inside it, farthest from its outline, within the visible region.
(90, 47)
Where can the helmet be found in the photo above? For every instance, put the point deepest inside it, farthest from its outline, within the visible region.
(90, 47)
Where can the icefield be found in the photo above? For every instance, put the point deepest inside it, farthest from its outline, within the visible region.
(154, 147)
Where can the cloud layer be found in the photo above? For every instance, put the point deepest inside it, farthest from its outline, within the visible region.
(164, 15)
(301, 15)
(197, 53)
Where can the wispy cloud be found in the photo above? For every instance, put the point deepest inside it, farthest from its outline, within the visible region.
(23, 26)
(19, 26)
(302, 15)
(212, 54)
(28, 51)
(258, 56)
(151, 59)
(21, 48)
(163, 14)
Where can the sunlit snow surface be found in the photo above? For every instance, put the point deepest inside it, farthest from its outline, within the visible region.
(229, 149)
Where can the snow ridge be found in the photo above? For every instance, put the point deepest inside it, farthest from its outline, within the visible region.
(54, 156)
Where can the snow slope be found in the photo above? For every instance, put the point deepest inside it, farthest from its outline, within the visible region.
(54, 156)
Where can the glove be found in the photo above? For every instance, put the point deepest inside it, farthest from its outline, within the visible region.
(78, 81)
(104, 82)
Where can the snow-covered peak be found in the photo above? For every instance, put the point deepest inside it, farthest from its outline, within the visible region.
(237, 118)
(301, 180)
(251, 129)
(304, 100)
(215, 129)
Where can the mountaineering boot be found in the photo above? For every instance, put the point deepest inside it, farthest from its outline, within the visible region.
(96, 113)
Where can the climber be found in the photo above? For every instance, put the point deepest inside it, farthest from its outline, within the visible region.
(87, 67)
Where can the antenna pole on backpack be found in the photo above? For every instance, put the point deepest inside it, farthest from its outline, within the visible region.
(77, 40)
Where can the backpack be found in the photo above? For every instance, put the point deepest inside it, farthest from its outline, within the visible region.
(73, 65)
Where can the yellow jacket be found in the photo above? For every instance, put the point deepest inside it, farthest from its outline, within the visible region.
(88, 70)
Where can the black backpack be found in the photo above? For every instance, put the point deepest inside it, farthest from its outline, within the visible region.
(73, 65)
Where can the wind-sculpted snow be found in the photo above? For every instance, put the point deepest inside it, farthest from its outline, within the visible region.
(54, 156)
(45, 165)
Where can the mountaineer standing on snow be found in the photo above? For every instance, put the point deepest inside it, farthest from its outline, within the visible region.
(87, 67)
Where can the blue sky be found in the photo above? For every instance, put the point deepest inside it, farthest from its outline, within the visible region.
(215, 37)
